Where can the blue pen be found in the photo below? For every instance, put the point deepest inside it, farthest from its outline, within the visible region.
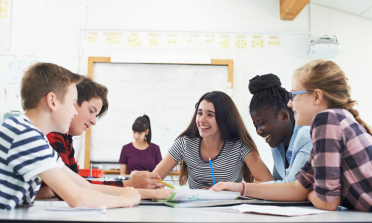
(210, 164)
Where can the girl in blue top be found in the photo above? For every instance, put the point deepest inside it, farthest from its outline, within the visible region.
(274, 121)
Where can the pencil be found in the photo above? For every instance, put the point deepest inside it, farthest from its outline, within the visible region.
(210, 164)
(166, 184)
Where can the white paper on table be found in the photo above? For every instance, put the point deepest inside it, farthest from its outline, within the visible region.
(268, 209)
(43, 207)
(198, 195)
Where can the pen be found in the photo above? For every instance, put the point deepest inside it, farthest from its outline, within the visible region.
(166, 184)
(210, 164)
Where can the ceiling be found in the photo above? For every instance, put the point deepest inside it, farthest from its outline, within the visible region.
(357, 7)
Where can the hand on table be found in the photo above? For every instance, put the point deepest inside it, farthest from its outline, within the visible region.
(131, 196)
(238, 187)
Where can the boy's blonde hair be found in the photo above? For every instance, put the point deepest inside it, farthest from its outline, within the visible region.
(42, 78)
(328, 77)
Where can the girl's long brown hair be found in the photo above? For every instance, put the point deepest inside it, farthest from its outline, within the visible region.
(328, 77)
(230, 124)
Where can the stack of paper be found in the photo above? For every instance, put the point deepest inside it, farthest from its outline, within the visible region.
(185, 198)
(43, 207)
(269, 210)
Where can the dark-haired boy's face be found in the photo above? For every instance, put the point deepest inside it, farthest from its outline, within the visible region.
(86, 117)
(270, 126)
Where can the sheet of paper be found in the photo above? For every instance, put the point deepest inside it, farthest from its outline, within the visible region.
(16, 70)
(198, 195)
(43, 207)
(268, 209)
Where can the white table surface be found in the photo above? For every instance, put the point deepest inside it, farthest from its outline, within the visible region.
(152, 213)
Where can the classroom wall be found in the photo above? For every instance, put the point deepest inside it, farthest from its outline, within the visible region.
(48, 31)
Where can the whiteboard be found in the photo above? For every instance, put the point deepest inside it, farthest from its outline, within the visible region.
(167, 93)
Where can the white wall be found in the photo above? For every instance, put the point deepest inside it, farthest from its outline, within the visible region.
(46, 30)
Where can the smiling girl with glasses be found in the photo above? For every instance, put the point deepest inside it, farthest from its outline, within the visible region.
(339, 169)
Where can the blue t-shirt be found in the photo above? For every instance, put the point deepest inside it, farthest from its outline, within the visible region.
(297, 154)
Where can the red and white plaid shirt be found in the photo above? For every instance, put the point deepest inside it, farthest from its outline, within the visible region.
(62, 143)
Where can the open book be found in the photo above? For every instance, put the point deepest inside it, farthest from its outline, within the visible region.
(201, 195)
(184, 198)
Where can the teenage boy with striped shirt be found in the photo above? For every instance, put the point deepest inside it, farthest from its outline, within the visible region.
(49, 96)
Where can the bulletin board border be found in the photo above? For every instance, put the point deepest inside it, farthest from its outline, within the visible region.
(92, 60)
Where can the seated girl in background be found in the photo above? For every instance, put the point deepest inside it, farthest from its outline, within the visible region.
(216, 132)
(290, 144)
(140, 154)
(339, 169)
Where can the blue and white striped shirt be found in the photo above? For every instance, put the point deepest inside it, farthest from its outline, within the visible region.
(24, 153)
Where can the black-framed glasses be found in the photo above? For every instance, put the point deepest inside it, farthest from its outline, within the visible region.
(296, 93)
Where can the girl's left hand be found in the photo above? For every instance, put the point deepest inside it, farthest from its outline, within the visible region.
(238, 187)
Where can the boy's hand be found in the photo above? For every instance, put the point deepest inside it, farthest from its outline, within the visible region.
(44, 192)
(144, 180)
(131, 197)
(238, 187)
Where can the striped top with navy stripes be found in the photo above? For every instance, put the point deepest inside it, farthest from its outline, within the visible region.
(227, 166)
(24, 153)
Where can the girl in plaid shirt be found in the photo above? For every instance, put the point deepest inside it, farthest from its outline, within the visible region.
(339, 169)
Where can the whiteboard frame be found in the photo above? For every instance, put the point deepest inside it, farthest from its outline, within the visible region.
(92, 60)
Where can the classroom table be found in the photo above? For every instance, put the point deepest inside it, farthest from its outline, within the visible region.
(159, 213)
(148, 212)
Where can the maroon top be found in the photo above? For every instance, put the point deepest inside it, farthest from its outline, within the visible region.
(136, 159)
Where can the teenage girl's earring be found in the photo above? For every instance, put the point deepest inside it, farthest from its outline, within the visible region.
(283, 121)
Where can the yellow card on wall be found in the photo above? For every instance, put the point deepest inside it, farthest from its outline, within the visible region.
(112, 39)
(209, 41)
(172, 41)
(257, 43)
(274, 40)
(154, 41)
(92, 38)
(225, 43)
(134, 41)
(240, 44)
(274, 43)
(191, 38)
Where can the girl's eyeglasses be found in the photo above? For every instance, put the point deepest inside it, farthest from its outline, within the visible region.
(296, 93)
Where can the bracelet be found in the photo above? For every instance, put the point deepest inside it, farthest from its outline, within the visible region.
(244, 190)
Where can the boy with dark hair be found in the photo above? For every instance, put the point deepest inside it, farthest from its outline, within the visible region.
(49, 96)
